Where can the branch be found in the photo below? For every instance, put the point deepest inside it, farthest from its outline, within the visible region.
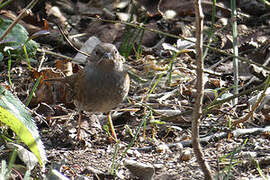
(197, 112)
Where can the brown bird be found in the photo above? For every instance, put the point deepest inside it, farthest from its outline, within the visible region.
(101, 85)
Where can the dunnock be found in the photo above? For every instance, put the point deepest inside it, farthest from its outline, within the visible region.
(101, 85)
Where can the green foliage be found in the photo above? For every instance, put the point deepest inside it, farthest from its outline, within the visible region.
(15, 40)
(14, 114)
(5, 3)
(131, 37)
(233, 160)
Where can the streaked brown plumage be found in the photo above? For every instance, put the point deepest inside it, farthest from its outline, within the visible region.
(102, 84)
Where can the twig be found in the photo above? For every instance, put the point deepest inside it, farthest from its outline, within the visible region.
(197, 112)
(140, 26)
(217, 103)
(255, 105)
(53, 53)
(253, 77)
(235, 51)
(70, 43)
(212, 138)
(24, 12)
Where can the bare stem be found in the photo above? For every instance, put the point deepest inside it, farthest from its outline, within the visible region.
(197, 113)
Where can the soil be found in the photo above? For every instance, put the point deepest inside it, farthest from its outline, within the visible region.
(161, 98)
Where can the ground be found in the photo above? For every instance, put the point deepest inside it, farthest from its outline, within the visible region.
(161, 97)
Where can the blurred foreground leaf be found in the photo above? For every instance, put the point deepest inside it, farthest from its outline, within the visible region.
(14, 114)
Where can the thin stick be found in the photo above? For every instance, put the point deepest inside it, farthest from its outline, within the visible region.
(70, 43)
(197, 112)
(181, 37)
(235, 51)
(21, 15)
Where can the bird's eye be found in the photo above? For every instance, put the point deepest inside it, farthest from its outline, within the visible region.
(97, 53)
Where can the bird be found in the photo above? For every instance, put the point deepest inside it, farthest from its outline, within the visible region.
(101, 86)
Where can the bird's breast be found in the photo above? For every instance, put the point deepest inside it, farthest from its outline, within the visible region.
(101, 92)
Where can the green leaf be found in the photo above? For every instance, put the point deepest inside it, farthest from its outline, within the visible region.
(15, 40)
(14, 114)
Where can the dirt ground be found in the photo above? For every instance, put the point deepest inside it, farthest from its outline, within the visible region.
(162, 93)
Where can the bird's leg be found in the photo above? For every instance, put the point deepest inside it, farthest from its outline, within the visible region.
(112, 128)
(79, 126)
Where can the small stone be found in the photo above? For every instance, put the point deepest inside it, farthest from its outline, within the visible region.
(143, 171)
(223, 21)
(169, 14)
(186, 155)
(158, 166)
(137, 153)
(163, 148)
(130, 152)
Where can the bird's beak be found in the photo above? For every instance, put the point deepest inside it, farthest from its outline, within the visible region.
(108, 56)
